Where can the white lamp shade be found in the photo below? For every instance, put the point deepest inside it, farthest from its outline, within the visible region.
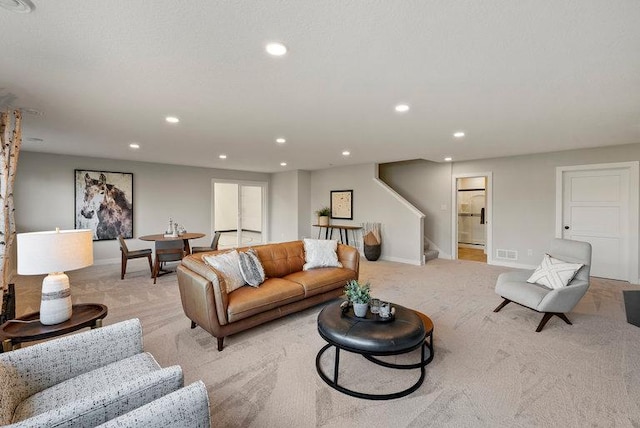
(54, 251)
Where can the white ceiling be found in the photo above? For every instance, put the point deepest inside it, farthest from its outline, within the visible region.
(517, 76)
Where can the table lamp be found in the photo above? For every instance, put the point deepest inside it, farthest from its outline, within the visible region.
(54, 252)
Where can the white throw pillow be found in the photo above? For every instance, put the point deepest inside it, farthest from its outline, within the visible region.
(554, 273)
(228, 264)
(320, 253)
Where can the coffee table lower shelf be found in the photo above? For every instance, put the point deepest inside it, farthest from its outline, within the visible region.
(333, 383)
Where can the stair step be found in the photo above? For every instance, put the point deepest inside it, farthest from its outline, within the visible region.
(430, 255)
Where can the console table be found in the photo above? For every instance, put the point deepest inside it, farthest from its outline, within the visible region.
(340, 228)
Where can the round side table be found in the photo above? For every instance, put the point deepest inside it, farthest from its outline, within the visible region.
(28, 328)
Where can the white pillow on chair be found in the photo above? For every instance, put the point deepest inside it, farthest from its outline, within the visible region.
(554, 273)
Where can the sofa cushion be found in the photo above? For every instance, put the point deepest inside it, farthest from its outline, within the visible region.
(228, 264)
(320, 253)
(317, 281)
(274, 292)
(87, 385)
(281, 259)
(251, 268)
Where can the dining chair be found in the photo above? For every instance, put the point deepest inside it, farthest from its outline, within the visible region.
(212, 247)
(167, 251)
(135, 254)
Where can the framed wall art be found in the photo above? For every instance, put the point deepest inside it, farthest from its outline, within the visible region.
(104, 203)
(342, 204)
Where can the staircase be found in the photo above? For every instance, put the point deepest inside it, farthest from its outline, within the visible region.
(429, 254)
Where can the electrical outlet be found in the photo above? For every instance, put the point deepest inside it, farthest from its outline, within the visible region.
(529, 252)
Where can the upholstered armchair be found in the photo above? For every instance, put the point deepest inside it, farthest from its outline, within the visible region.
(82, 380)
(513, 286)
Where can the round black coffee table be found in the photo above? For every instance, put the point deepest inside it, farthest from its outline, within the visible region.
(371, 338)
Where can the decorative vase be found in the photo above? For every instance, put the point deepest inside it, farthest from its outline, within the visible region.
(323, 220)
(372, 252)
(360, 309)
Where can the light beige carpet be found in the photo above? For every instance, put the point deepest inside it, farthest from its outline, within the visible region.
(489, 369)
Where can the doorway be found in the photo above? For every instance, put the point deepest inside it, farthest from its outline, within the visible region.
(599, 204)
(471, 202)
(239, 213)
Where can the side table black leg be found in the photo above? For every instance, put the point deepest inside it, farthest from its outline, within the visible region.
(335, 369)
(346, 237)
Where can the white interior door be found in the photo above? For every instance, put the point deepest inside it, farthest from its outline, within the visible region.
(596, 210)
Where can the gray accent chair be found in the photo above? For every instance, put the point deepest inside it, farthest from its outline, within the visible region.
(212, 247)
(186, 407)
(82, 380)
(513, 286)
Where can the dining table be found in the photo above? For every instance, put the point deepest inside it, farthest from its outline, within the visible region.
(185, 238)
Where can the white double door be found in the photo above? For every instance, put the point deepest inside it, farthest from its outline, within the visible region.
(596, 208)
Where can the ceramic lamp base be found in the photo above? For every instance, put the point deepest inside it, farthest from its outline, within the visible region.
(55, 306)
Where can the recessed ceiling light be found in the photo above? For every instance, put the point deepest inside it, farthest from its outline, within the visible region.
(172, 119)
(346, 153)
(458, 134)
(283, 164)
(448, 159)
(280, 140)
(134, 145)
(222, 156)
(402, 108)
(18, 6)
(276, 49)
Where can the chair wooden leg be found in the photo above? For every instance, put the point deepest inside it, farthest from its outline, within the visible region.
(547, 316)
(150, 264)
(564, 318)
(123, 266)
(502, 305)
(156, 268)
(193, 324)
(220, 343)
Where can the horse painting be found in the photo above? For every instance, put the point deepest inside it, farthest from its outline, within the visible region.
(102, 207)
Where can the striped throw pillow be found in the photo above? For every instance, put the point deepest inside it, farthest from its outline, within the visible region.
(251, 268)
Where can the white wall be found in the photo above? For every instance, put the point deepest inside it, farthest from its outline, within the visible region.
(284, 211)
(44, 196)
(427, 186)
(372, 202)
(304, 203)
(523, 194)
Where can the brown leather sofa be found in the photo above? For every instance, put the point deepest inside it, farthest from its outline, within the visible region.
(287, 288)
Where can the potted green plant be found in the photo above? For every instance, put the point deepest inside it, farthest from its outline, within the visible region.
(359, 295)
(323, 216)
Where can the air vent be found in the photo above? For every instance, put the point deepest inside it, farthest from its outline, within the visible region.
(507, 254)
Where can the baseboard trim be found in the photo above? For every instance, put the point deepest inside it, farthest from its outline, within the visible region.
(401, 260)
(511, 264)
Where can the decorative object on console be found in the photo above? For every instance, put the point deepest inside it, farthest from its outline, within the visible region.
(320, 253)
(323, 216)
(54, 252)
(359, 295)
(371, 240)
(104, 203)
(342, 204)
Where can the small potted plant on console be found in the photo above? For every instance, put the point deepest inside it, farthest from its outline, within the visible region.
(323, 216)
(359, 295)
